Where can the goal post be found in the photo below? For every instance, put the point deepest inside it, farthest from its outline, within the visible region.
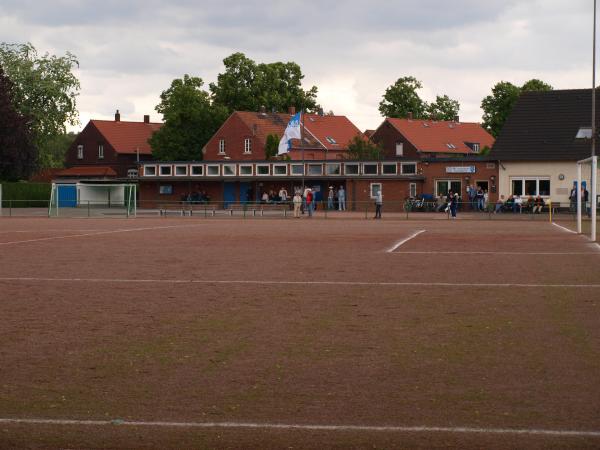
(590, 207)
(93, 199)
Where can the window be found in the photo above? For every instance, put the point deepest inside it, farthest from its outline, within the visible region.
(100, 151)
(80, 151)
(351, 169)
(399, 148)
(221, 146)
(374, 189)
(196, 170)
(246, 169)
(476, 148)
(530, 186)
(315, 169)
(330, 140)
(262, 169)
(280, 169)
(132, 173)
(212, 170)
(443, 186)
(408, 169)
(228, 170)
(165, 189)
(333, 169)
(247, 145)
(297, 169)
(389, 168)
(181, 171)
(412, 187)
(165, 171)
(451, 146)
(149, 171)
(370, 169)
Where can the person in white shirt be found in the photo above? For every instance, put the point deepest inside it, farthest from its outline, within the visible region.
(378, 203)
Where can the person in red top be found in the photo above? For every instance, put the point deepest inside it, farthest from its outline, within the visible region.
(309, 202)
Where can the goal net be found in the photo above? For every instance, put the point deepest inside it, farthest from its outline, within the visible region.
(87, 199)
(587, 196)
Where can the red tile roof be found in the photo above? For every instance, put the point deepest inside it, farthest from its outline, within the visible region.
(435, 136)
(318, 128)
(127, 137)
(87, 171)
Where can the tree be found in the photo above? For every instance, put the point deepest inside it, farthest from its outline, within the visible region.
(402, 98)
(271, 146)
(497, 106)
(190, 120)
(246, 86)
(17, 152)
(444, 108)
(45, 91)
(360, 148)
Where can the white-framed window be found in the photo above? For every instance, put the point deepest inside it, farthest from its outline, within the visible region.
(132, 173)
(246, 169)
(369, 168)
(315, 169)
(443, 186)
(475, 148)
(374, 188)
(80, 151)
(262, 169)
(100, 151)
(412, 187)
(213, 170)
(409, 168)
(196, 170)
(149, 171)
(334, 168)
(297, 169)
(165, 171)
(399, 148)
(247, 145)
(351, 169)
(221, 146)
(181, 171)
(530, 186)
(389, 168)
(280, 169)
(228, 170)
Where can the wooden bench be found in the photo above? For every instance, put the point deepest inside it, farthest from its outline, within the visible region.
(257, 208)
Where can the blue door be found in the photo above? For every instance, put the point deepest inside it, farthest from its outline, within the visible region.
(67, 196)
(228, 194)
(246, 193)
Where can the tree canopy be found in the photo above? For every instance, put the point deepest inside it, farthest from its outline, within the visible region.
(246, 86)
(402, 99)
(360, 148)
(17, 152)
(45, 91)
(190, 120)
(497, 106)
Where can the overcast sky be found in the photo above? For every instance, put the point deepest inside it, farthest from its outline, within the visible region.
(130, 51)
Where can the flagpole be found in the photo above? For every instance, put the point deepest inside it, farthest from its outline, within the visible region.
(302, 146)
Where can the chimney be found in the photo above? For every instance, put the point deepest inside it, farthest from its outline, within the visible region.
(117, 116)
(263, 110)
(292, 110)
(321, 113)
(146, 118)
(410, 116)
(457, 119)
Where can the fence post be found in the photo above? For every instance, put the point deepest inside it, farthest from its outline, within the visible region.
(10, 208)
(88, 208)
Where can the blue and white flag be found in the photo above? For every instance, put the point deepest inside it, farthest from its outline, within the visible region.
(291, 132)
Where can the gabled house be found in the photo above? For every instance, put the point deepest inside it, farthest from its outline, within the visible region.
(244, 134)
(447, 153)
(108, 144)
(537, 149)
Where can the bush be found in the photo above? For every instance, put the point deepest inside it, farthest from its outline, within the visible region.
(26, 195)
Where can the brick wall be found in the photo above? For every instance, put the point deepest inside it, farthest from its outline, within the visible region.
(434, 171)
(387, 136)
(234, 131)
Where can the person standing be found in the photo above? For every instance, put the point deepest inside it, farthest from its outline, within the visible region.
(573, 199)
(342, 198)
(330, 198)
(309, 202)
(452, 200)
(297, 204)
(378, 204)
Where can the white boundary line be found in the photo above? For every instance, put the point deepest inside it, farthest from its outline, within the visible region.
(434, 252)
(294, 283)
(121, 230)
(564, 228)
(308, 427)
(398, 244)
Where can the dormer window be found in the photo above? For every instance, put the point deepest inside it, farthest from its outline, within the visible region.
(221, 146)
(476, 148)
(80, 151)
(247, 145)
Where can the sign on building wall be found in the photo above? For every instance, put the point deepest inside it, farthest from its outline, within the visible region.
(461, 169)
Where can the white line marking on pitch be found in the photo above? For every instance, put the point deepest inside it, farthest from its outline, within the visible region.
(122, 230)
(285, 426)
(434, 252)
(403, 241)
(564, 228)
(313, 283)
